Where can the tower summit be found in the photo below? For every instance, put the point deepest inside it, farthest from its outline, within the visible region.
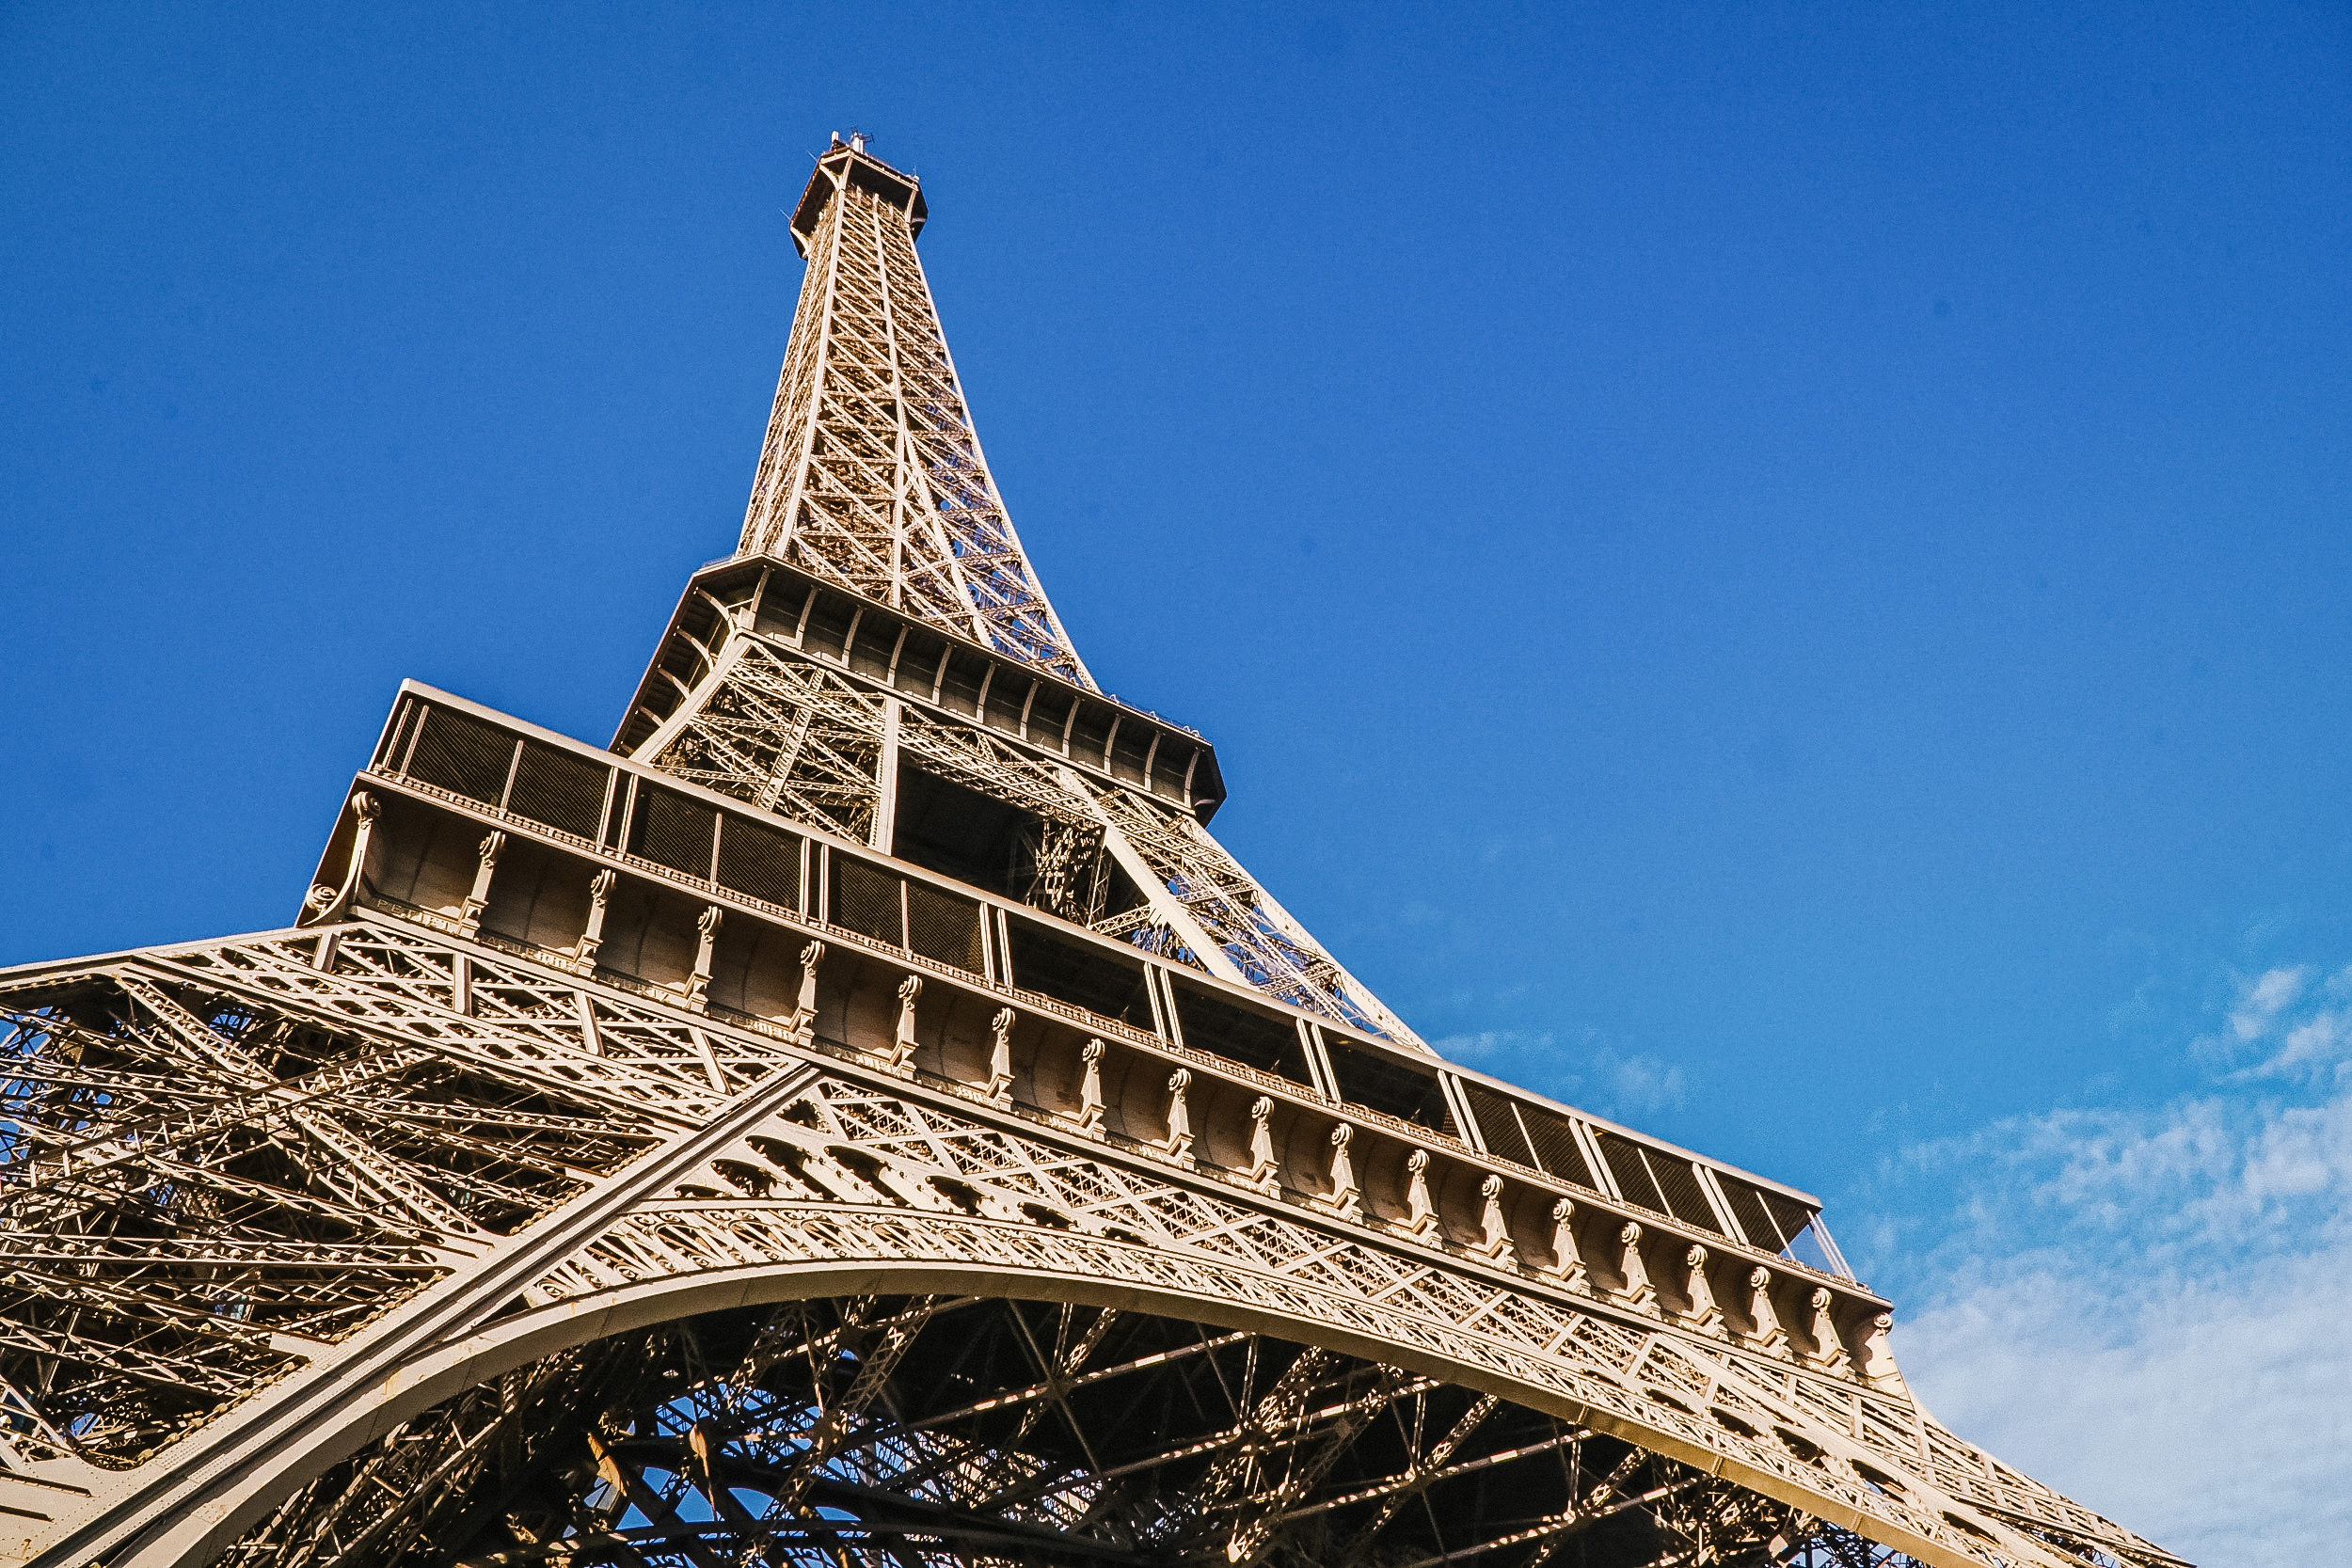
(863, 1116)
(872, 475)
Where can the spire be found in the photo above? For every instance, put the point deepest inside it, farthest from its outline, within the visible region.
(871, 474)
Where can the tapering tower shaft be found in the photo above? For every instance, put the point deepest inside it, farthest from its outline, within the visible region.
(880, 643)
(872, 474)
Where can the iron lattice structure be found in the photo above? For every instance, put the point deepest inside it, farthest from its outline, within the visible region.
(862, 1118)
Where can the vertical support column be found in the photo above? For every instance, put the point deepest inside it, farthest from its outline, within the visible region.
(886, 799)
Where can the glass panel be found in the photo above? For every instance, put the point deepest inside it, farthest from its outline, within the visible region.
(1805, 1247)
(1789, 1216)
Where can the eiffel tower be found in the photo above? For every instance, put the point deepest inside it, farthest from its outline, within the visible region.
(861, 1117)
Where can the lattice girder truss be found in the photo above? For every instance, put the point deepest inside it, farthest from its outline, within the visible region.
(769, 725)
(626, 1169)
(872, 473)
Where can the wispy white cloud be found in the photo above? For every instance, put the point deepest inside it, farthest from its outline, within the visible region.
(2260, 1001)
(1586, 1070)
(1642, 1084)
(2147, 1308)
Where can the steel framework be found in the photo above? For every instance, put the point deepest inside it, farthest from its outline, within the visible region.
(863, 1117)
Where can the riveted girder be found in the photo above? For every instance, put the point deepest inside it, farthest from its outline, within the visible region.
(610, 1255)
(863, 1117)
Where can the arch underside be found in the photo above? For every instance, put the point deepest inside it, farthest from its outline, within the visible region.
(908, 1429)
(554, 1228)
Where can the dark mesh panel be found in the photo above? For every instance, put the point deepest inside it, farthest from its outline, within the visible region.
(865, 900)
(943, 926)
(464, 755)
(1791, 1215)
(1497, 1126)
(671, 831)
(760, 862)
(1686, 1200)
(560, 789)
(1403, 1092)
(1267, 1041)
(1625, 1164)
(1747, 1207)
(1556, 1146)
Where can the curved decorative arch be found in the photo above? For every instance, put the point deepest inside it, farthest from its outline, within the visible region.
(795, 1176)
(827, 1250)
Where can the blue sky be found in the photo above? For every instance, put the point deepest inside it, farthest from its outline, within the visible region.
(1780, 574)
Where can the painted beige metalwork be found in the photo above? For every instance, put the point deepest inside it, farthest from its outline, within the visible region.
(698, 1153)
